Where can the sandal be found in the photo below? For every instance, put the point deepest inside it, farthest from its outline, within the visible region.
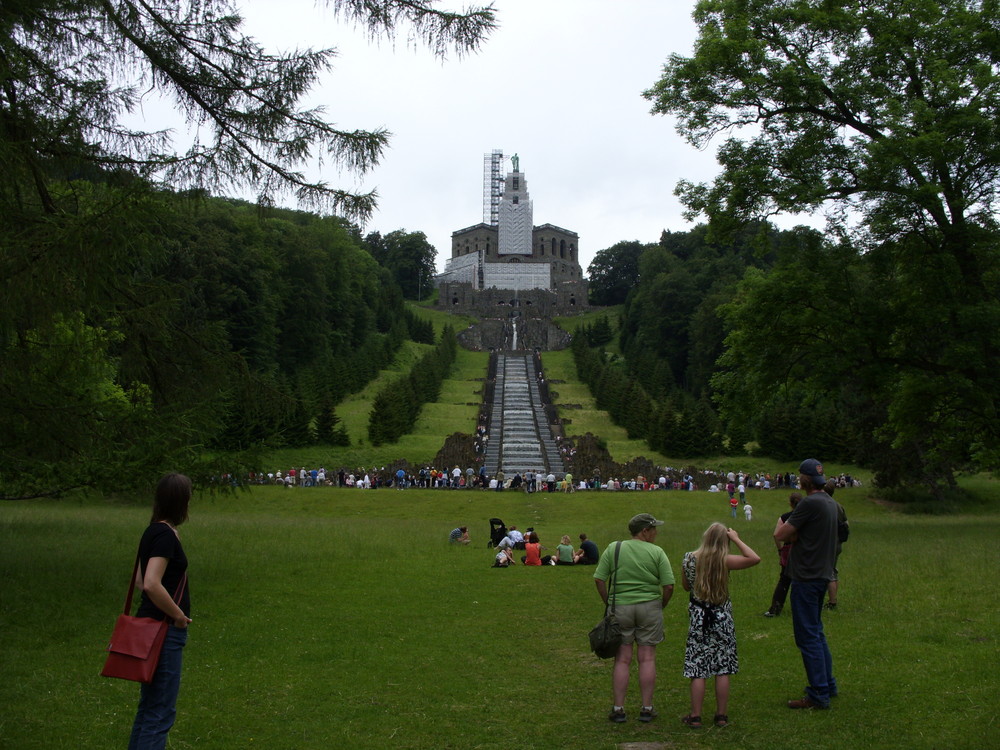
(721, 720)
(692, 721)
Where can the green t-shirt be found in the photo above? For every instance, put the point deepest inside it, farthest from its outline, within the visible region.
(643, 571)
(565, 552)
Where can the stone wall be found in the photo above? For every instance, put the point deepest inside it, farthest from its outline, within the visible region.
(568, 298)
(499, 334)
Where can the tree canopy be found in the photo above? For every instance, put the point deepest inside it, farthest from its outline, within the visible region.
(886, 115)
(143, 324)
(71, 69)
(614, 272)
(409, 258)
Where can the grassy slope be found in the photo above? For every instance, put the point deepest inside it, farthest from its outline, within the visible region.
(455, 410)
(341, 618)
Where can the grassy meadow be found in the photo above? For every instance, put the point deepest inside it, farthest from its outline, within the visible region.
(328, 618)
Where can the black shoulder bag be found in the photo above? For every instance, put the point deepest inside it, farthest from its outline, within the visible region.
(606, 636)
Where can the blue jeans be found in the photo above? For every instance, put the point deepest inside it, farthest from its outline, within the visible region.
(158, 699)
(807, 624)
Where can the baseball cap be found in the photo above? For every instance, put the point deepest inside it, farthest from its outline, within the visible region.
(642, 521)
(814, 470)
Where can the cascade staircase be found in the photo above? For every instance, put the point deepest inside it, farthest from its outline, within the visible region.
(520, 438)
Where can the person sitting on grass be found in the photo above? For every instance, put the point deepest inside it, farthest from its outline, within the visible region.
(504, 558)
(459, 535)
(533, 550)
(564, 551)
(516, 537)
(588, 554)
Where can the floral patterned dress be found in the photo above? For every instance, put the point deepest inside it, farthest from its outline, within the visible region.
(711, 641)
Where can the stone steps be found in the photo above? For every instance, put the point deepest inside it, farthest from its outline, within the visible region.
(520, 437)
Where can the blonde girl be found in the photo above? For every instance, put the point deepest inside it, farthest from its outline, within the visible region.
(564, 551)
(711, 642)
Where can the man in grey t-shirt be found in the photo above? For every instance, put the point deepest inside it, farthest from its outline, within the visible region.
(813, 528)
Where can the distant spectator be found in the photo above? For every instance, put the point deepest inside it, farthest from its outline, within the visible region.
(516, 537)
(843, 532)
(533, 550)
(504, 558)
(748, 511)
(784, 549)
(564, 551)
(588, 554)
(459, 535)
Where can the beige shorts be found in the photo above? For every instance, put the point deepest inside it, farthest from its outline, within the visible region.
(641, 623)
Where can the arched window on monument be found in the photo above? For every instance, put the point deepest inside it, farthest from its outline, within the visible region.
(562, 248)
(553, 245)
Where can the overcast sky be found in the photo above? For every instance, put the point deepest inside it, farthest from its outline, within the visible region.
(559, 83)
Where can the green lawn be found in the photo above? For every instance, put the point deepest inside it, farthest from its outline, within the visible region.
(574, 402)
(342, 619)
(456, 410)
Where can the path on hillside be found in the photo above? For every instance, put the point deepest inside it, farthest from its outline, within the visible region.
(520, 436)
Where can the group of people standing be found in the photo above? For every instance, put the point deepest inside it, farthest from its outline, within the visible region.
(642, 583)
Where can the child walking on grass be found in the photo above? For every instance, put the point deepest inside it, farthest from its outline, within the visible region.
(711, 642)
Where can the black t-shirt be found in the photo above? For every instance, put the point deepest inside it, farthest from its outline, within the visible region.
(814, 553)
(590, 552)
(159, 540)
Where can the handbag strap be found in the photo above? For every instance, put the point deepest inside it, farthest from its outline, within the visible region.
(178, 592)
(614, 579)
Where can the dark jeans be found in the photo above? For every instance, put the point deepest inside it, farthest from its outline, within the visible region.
(807, 624)
(158, 699)
(780, 592)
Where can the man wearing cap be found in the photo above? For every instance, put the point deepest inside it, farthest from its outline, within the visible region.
(813, 528)
(643, 584)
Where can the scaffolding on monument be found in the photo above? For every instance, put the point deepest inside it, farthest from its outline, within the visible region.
(493, 181)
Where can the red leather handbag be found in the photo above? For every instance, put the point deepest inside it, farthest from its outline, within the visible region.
(136, 642)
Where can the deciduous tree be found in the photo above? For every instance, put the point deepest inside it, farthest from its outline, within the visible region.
(886, 115)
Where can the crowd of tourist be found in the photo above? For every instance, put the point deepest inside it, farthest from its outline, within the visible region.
(429, 477)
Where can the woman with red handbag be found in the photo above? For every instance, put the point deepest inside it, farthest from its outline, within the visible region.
(162, 570)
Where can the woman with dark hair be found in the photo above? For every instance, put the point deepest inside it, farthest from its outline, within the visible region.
(162, 576)
(534, 552)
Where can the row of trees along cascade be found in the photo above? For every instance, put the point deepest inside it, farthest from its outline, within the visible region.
(396, 407)
(144, 325)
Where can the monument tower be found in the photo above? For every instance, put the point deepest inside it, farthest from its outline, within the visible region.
(507, 251)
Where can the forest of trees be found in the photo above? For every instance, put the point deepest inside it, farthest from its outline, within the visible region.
(224, 329)
(876, 341)
(145, 325)
(883, 334)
